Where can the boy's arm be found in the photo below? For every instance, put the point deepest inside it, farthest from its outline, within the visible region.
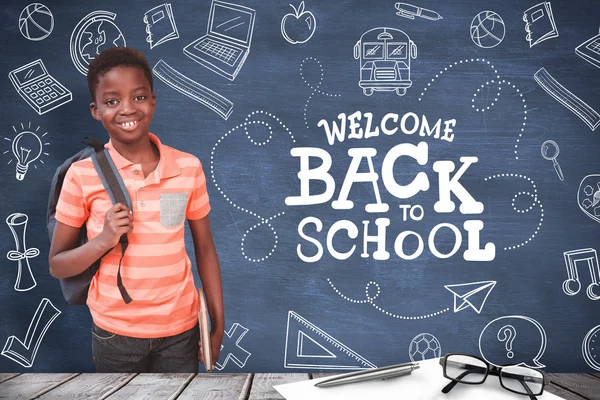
(209, 271)
(66, 259)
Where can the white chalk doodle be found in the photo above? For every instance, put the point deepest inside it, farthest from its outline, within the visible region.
(550, 152)
(36, 22)
(24, 351)
(94, 32)
(590, 50)
(588, 196)
(411, 11)
(497, 81)
(232, 349)
(384, 56)
(26, 149)
(315, 88)
(539, 23)
(371, 297)
(299, 27)
(505, 330)
(535, 202)
(228, 38)
(572, 284)
(308, 346)
(487, 29)
(160, 25)
(257, 118)
(590, 348)
(473, 294)
(17, 222)
(38, 88)
(424, 346)
(193, 89)
(573, 103)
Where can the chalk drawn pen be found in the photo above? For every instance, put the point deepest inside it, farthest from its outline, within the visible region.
(409, 11)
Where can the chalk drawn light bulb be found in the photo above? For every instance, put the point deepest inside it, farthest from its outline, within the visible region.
(26, 147)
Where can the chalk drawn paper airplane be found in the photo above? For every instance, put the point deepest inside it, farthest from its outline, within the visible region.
(307, 346)
(24, 352)
(231, 343)
(471, 295)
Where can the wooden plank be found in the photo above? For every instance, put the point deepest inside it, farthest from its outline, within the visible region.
(563, 393)
(153, 386)
(5, 377)
(30, 385)
(584, 385)
(89, 386)
(262, 385)
(217, 386)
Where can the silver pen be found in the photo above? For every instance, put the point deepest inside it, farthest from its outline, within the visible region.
(388, 372)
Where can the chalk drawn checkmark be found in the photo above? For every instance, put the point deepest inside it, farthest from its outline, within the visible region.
(24, 352)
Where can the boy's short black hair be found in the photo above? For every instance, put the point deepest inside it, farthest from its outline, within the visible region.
(116, 57)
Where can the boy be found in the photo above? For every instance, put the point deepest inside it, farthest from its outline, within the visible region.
(158, 330)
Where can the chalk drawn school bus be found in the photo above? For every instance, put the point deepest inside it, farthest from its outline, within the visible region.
(385, 55)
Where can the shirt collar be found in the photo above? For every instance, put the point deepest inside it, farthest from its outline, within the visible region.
(167, 165)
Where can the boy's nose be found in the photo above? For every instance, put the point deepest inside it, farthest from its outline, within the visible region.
(127, 107)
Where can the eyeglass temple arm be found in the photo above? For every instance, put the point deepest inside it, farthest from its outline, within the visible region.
(456, 380)
(520, 379)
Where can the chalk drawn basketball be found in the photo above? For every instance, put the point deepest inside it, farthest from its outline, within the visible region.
(36, 22)
(487, 29)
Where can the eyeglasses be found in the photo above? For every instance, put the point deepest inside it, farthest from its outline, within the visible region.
(463, 368)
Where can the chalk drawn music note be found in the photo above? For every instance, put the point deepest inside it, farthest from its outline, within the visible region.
(572, 285)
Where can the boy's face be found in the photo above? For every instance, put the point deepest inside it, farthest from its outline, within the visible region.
(124, 103)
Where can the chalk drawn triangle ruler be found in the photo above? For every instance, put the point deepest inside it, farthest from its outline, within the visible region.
(307, 346)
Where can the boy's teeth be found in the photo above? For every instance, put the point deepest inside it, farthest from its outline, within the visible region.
(128, 123)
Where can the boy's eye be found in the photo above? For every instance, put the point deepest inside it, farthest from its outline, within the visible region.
(140, 97)
(111, 102)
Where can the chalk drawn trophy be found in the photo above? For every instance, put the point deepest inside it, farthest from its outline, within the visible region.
(17, 223)
(572, 285)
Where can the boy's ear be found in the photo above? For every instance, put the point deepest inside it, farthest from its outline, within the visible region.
(153, 99)
(94, 111)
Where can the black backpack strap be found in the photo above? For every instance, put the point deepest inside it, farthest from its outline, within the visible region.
(118, 194)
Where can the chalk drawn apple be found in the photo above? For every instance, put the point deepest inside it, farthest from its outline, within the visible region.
(298, 27)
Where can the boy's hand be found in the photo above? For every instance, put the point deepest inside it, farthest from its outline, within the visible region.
(118, 221)
(216, 339)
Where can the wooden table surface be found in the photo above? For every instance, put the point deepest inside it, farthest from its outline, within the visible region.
(208, 386)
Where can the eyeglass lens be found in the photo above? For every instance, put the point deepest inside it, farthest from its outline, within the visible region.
(465, 369)
(520, 379)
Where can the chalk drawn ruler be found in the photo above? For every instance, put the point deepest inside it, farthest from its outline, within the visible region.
(307, 346)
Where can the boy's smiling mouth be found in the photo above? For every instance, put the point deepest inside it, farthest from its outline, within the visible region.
(129, 125)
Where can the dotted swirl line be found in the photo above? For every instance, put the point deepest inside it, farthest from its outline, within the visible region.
(262, 220)
(314, 88)
(488, 83)
(371, 300)
(535, 202)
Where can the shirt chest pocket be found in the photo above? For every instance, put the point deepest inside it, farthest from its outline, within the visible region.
(172, 208)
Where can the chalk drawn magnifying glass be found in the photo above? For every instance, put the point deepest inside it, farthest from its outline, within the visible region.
(550, 151)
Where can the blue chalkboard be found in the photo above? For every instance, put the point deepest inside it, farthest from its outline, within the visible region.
(388, 181)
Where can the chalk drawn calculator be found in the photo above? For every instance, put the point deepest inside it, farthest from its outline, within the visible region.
(38, 88)
(590, 50)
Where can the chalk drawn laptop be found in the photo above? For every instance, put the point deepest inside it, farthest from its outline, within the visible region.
(226, 44)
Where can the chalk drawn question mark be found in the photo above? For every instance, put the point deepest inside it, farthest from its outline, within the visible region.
(507, 334)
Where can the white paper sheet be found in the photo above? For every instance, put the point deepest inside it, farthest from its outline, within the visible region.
(424, 383)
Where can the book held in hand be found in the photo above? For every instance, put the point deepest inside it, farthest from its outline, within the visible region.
(203, 321)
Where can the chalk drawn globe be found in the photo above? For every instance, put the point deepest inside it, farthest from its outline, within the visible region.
(424, 346)
(487, 29)
(36, 22)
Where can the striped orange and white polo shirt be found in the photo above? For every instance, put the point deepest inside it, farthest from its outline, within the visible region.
(156, 269)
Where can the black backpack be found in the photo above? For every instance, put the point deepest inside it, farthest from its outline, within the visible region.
(75, 288)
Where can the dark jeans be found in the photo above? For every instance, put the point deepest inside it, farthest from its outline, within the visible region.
(117, 353)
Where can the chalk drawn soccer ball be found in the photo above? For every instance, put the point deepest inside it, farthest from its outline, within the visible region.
(487, 29)
(424, 346)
